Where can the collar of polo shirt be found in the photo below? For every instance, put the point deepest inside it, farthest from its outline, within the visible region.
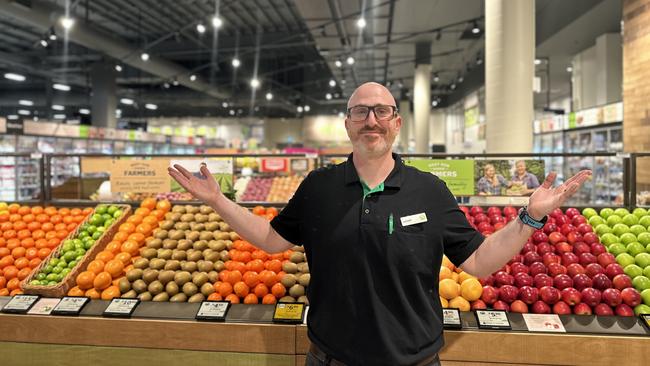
(394, 179)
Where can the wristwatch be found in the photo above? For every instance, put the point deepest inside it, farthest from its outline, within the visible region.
(526, 219)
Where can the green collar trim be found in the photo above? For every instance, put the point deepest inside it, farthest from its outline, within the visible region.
(367, 190)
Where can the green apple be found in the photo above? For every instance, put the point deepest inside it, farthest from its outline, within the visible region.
(646, 271)
(619, 229)
(609, 238)
(601, 229)
(641, 309)
(641, 283)
(625, 260)
(628, 238)
(616, 249)
(630, 220)
(647, 248)
(606, 212)
(645, 295)
(633, 271)
(639, 212)
(645, 221)
(637, 229)
(642, 260)
(613, 220)
(589, 212)
(596, 220)
(635, 248)
(644, 238)
(621, 212)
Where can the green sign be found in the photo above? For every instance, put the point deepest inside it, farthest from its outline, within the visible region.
(458, 174)
(83, 131)
(572, 120)
(471, 117)
(132, 136)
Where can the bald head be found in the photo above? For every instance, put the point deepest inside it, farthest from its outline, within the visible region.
(371, 93)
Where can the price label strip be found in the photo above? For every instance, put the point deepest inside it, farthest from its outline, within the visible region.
(645, 319)
(121, 308)
(213, 311)
(451, 318)
(70, 305)
(20, 304)
(544, 323)
(289, 312)
(492, 319)
(44, 306)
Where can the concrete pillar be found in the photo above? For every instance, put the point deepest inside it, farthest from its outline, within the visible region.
(609, 61)
(407, 123)
(422, 96)
(104, 98)
(509, 72)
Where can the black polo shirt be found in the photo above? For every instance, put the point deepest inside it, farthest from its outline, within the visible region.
(374, 291)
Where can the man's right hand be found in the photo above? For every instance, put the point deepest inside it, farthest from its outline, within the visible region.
(204, 188)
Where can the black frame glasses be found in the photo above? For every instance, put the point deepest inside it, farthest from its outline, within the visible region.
(372, 108)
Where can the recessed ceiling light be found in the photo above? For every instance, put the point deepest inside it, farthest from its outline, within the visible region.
(236, 62)
(14, 76)
(332, 83)
(255, 83)
(59, 116)
(232, 112)
(350, 60)
(12, 116)
(538, 61)
(67, 22)
(269, 96)
(126, 101)
(328, 96)
(361, 23)
(24, 112)
(224, 104)
(58, 107)
(43, 43)
(307, 108)
(569, 69)
(151, 106)
(26, 102)
(299, 109)
(61, 87)
(338, 63)
(144, 56)
(192, 77)
(200, 28)
(217, 22)
(84, 111)
(118, 68)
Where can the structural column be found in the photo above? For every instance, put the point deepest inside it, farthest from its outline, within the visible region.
(104, 97)
(509, 72)
(422, 96)
(407, 121)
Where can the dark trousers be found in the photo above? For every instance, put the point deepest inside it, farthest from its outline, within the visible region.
(316, 357)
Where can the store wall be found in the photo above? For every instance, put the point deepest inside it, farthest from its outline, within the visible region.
(597, 73)
(320, 131)
(282, 131)
(437, 128)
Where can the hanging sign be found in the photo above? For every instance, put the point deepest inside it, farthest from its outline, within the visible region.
(274, 165)
(457, 174)
(140, 176)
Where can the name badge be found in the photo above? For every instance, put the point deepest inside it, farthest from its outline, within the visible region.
(413, 219)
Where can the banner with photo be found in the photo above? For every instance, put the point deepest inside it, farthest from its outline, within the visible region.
(514, 177)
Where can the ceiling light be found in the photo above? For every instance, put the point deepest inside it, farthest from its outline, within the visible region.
(255, 83)
(269, 96)
(479, 60)
(43, 43)
(434, 103)
(59, 116)
(232, 112)
(84, 111)
(166, 85)
(24, 112)
(307, 108)
(67, 22)
(436, 78)
(332, 83)
(52, 36)
(25, 102)
(12, 116)
(61, 87)
(35, 119)
(224, 104)
(461, 79)
(538, 61)
(299, 109)
(341, 114)
(192, 77)
(350, 60)
(58, 107)
(338, 63)
(236, 62)
(361, 23)
(175, 82)
(144, 56)
(328, 96)
(569, 69)
(118, 113)
(150, 106)
(452, 86)
(14, 77)
(476, 29)
(217, 22)
(126, 101)
(200, 28)
(118, 68)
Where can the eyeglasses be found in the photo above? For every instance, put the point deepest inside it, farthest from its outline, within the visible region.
(382, 113)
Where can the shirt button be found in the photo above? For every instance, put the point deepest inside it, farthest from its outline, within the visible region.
(366, 210)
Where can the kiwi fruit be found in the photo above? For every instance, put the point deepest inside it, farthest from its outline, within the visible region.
(224, 255)
(206, 210)
(154, 243)
(296, 291)
(145, 296)
(200, 218)
(200, 278)
(287, 299)
(288, 280)
(184, 244)
(172, 288)
(225, 227)
(303, 267)
(214, 217)
(234, 236)
(170, 244)
(165, 254)
(207, 289)
(229, 243)
(191, 209)
(177, 234)
(141, 263)
(219, 235)
(196, 298)
(182, 278)
(192, 235)
(298, 248)
(181, 297)
(206, 235)
(303, 299)
(161, 297)
(155, 288)
(166, 225)
(217, 245)
(190, 289)
(212, 256)
(160, 234)
(124, 285)
(178, 209)
(297, 257)
(213, 276)
(179, 255)
(200, 245)
(169, 216)
(172, 265)
(148, 253)
(189, 266)
(130, 294)
(219, 266)
(182, 226)
(205, 266)
(166, 276)
(157, 263)
(194, 256)
(139, 286)
(187, 217)
(195, 226)
(211, 226)
(290, 267)
(176, 216)
(304, 279)
(149, 275)
(134, 274)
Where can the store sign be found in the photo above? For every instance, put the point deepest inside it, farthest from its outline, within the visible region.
(121, 308)
(273, 165)
(299, 165)
(140, 176)
(20, 304)
(44, 306)
(213, 311)
(471, 117)
(451, 318)
(70, 305)
(290, 312)
(492, 319)
(220, 168)
(15, 126)
(544, 323)
(457, 174)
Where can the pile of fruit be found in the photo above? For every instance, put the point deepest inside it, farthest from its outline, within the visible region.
(459, 289)
(627, 238)
(27, 236)
(74, 249)
(268, 189)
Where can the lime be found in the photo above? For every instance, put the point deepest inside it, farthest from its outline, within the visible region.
(109, 222)
(91, 229)
(51, 277)
(54, 261)
(35, 283)
(65, 271)
(55, 270)
(101, 209)
(72, 264)
(48, 269)
(111, 210)
(79, 246)
(67, 246)
(51, 283)
(88, 245)
(83, 234)
(117, 214)
(80, 252)
(69, 257)
(96, 220)
(106, 217)
(63, 263)
(41, 276)
(96, 235)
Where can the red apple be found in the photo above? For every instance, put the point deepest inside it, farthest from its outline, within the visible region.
(593, 269)
(475, 210)
(601, 282)
(631, 297)
(518, 268)
(578, 220)
(590, 237)
(517, 258)
(527, 248)
(478, 218)
(499, 225)
(478, 304)
(621, 282)
(574, 237)
(487, 281)
(549, 295)
(500, 305)
(493, 210)
(537, 268)
(571, 296)
(539, 237)
(581, 247)
(518, 306)
(502, 278)
(542, 279)
(562, 281)
(528, 294)
(582, 281)
(464, 209)
(532, 257)
(555, 269)
(556, 237)
(549, 258)
(540, 307)
(605, 259)
(574, 269)
(585, 229)
(613, 270)
(603, 309)
(509, 210)
(490, 295)
(568, 258)
(561, 308)
(591, 296)
(587, 258)
(612, 297)
(597, 249)
(549, 227)
(545, 248)
(624, 310)
(557, 213)
(508, 293)
(494, 219)
(523, 279)
(484, 226)
(572, 212)
(567, 229)
(563, 247)
(582, 309)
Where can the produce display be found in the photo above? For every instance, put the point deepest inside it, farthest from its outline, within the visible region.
(563, 268)
(627, 238)
(459, 289)
(27, 236)
(268, 189)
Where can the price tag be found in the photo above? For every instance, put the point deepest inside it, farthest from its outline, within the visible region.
(20, 304)
(213, 310)
(70, 305)
(492, 319)
(44, 306)
(121, 307)
(544, 323)
(645, 319)
(451, 318)
(289, 312)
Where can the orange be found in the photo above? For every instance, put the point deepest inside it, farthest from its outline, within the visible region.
(3, 282)
(24, 210)
(447, 263)
(125, 258)
(114, 267)
(142, 211)
(64, 211)
(29, 218)
(50, 210)
(4, 252)
(269, 299)
(4, 292)
(250, 299)
(96, 266)
(259, 210)
(268, 278)
(16, 291)
(459, 303)
(278, 290)
(225, 289)
(130, 247)
(239, 266)
(9, 234)
(261, 290)
(164, 205)
(272, 211)
(42, 218)
(120, 236)
(245, 257)
(215, 297)
(273, 265)
(37, 210)
(31, 253)
(137, 237)
(44, 252)
(234, 277)
(34, 263)
(33, 226)
(149, 203)
(151, 220)
(55, 219)
(85, 279)
(232, 298)
(13, 208)
(93, 294)
(6, 226)
(444, 302)
(75, 211)
(448, 288)
(102, 280)
(79, 218)
(13, 243)
(20, 225)
(135, 219)
(105, 256)
(471, 289)
(127, 227)
(21, 263)
(28, 243)
(23, 273)
(53, 243)
(68, 220)
(4, 216)
(87, 211)
(76, 291)
(444, 273)
(241, 289)
(18, 252)
(114, 247)
(110, 292)
(251, 279)
(13, 284)
(144, 229)
(158, 214)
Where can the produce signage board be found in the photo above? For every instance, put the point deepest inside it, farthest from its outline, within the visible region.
(213, 310)
(645, 319)
(20, 304)
(299, 165)
(493, 319)
(140, 176)
(70, 305)
(44, 306)
(458, 174)
(221, 169)
(121, 308)
(451, 318)
(544, 323)
(274, 165)
(289, 312)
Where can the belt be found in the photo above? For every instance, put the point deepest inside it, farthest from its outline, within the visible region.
(330, 361)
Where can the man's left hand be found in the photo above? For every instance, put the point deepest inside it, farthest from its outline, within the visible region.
(546, 198)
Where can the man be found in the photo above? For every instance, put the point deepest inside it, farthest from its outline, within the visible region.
(525, 178)
(374, 231)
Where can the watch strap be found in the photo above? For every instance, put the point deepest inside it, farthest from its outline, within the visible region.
(526, 219)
